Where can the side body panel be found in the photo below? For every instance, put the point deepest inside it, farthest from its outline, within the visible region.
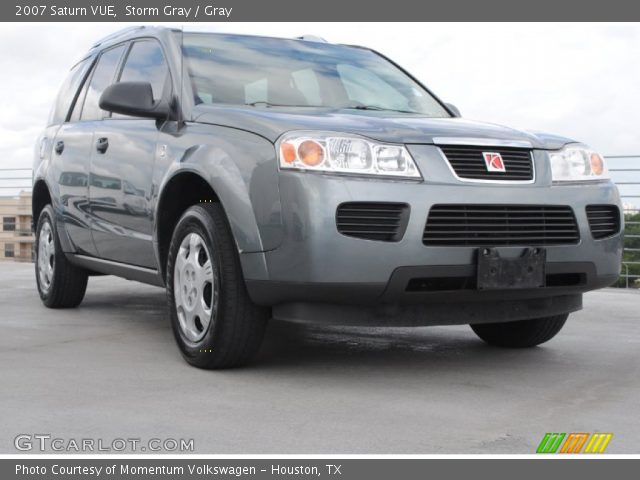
(69, 172)
(120, 190)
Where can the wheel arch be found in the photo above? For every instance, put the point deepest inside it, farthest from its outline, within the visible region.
(40, 196)
(186, 187)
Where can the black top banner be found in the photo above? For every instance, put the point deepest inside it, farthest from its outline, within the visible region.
(325, 10)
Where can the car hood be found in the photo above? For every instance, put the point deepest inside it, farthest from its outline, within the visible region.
(271, 122)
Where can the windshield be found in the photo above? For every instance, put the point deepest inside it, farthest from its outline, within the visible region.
(271, 72)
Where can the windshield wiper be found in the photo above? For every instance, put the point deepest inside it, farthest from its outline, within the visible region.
(262, 103)
(377, 108)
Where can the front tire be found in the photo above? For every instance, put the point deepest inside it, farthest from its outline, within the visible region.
(522, 333)
(60, 283)
(215, 323)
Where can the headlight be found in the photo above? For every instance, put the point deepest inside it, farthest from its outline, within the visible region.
(344, 153)
(577, 162)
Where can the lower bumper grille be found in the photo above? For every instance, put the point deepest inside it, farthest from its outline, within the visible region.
(380, 221)
(445, 284)
(489, 225)
(604, 220)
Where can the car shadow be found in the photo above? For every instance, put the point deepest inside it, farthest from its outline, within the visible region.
(289, 344)
(293, 345)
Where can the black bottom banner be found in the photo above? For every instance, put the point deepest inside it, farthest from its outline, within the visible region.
(344, 469)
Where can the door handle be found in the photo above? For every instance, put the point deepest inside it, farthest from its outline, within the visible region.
(59, 147)
(102, 144)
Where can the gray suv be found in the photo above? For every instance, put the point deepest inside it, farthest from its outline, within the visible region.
(294, 179)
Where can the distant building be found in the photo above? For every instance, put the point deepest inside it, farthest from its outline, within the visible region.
(16, 237)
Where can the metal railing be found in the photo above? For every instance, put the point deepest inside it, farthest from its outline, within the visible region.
(625, 171)
(14, 179)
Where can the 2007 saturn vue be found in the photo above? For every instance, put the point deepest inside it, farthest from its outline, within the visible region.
(259, 178)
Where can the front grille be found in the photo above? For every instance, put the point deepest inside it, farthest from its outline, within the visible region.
(468, 163)
(604, 220)
(373, 221)
(489, 225)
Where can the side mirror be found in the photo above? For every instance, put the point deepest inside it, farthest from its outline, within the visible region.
(453, 109)
(133, 98)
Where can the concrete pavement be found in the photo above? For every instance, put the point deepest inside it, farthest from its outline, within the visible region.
(110, 369)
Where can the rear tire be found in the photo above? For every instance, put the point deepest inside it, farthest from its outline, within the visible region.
(215, 323)
(522, 333)
(60, 283)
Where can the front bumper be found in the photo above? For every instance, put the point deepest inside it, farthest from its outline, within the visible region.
(315, 263)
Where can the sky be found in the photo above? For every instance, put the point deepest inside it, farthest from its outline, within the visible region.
(577, 80)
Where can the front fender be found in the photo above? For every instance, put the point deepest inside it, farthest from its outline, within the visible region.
(241, 168)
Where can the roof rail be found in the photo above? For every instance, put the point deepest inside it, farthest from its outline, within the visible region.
(119, 33)
(312, 38)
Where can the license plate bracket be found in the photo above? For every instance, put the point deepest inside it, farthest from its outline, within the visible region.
(498, 273)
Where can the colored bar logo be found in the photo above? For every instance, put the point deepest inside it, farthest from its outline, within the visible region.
(573, 442)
